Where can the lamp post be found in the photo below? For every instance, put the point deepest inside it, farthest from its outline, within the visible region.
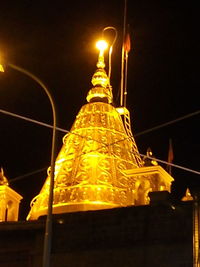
(48, 227)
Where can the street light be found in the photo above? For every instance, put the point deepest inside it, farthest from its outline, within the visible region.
(48, 227)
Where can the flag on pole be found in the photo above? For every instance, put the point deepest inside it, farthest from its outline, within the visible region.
(127, 43)
(170, 156)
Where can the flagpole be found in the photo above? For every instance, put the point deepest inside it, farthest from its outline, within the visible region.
(122, 59)
(127, 49)
(122, 78)
(170, 157)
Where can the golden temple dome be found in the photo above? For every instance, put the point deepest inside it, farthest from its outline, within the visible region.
(99, 165)
(88, 169)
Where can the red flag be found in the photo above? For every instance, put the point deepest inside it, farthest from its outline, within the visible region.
(127, 43)
(170, 152)
(170, 156)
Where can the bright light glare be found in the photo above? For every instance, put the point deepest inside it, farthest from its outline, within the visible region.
(101, 45)
(1, 67)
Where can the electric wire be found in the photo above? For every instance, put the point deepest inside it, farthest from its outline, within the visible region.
(45, 124)
(168, 123)
(111, 144)
(31, 120)
(135, 135)
(172, 164)
(66, 131)
(21, 177)
(153, 158)
(49, 126)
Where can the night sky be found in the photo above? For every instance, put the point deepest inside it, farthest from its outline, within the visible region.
(56, 42)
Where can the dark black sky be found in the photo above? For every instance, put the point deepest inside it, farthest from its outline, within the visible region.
(55, 41)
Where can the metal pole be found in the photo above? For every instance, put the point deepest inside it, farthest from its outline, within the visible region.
(122, 59)
(125, 78)
(196, 232)
(48, 227)
(111, 47)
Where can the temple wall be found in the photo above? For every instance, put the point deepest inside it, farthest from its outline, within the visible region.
(133, 236)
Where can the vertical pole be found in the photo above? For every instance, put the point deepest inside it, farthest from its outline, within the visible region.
(48, 227)
(125, 78)
(122, 58)
(122, 78)
(196, 233)
(170, 157)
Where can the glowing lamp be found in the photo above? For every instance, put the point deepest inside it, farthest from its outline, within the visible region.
(101, 45)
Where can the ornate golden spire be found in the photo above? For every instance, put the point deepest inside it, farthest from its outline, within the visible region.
(99, 165)
(101, 91)
(89, 168)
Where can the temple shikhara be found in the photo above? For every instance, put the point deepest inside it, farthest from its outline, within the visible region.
(99, 166)
(111, 205)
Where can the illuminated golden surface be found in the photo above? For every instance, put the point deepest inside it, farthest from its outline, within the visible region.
(89, 168)
(101, 90)
(125, 115)
(122, 110)
(99, 165)
(101, 87)
(3, 179)
(187, 196)
(9, 204)
(1, 68)
(148, 179)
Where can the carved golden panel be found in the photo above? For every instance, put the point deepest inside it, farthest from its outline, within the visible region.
(89, 168)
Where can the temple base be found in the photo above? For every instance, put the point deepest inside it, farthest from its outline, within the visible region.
(76, 207)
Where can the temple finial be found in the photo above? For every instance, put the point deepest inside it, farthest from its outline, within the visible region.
(102, 46)
(101, 91)
(3, 179)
